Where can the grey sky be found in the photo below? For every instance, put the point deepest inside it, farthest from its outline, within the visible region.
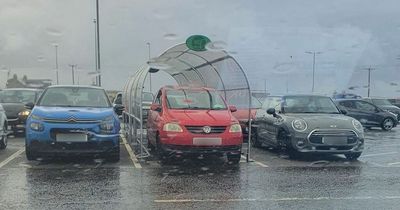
(268, 38)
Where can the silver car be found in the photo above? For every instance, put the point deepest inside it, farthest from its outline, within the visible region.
(3, 128)
(307, 124)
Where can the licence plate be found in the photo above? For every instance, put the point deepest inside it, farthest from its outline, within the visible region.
(71, 137)
(207, 141)
(334, 140)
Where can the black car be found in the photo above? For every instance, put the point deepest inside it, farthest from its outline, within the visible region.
(307, 124)
(368, 114)
(385, 104)
(14, 101)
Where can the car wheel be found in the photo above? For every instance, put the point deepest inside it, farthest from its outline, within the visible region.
(29, 153)
(352, 156)
(3, 139)
(254, 140)
(387, 124)
(160, 151)
(114, 156)
(283, 139)
(150, 145)
(233, 159)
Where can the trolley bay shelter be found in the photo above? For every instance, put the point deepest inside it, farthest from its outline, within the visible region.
(203, 66)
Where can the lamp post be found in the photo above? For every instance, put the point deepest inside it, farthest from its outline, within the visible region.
(369, 69)
(56, 48)
(313, 68)
(148, 44)
(73, 66)
(98, 41)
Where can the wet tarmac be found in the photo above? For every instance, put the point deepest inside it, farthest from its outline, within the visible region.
(270, 181)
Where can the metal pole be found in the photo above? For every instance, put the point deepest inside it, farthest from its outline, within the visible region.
(56, 46)
(95, 51)
(98, 41)
(369, 81)
(313, 73)
(148, 44)
(73, 73)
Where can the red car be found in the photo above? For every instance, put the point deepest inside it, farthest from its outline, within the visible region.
(185, 120)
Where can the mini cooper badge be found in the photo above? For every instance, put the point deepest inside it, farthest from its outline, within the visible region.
(206, 129)
(333, 126)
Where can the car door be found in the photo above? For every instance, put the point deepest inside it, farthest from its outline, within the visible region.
(368, 114)
(272, 123)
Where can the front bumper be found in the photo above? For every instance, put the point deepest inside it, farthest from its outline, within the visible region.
(179, 149)
(301, 143)
(76, 148)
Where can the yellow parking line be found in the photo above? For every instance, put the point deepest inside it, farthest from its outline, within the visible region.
(12, 157)
(130, 152)
(257, 162)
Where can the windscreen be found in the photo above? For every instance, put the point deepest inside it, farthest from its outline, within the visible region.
(74, 97)
(195, 99)
(308, 104)
(17, 96)
(382, 102)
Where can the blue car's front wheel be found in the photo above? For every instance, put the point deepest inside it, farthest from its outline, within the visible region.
(30, 155)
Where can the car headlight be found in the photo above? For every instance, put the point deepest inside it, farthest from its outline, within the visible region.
(24, 113)
(357, 125)
(299, 125)
(172, 127)
(107, 124)
(235, 128)
(36, 126)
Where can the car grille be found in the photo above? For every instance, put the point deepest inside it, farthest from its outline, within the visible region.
(341, 136)
(199, 129)
(70, 120)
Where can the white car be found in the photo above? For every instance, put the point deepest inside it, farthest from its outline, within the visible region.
(3, 128)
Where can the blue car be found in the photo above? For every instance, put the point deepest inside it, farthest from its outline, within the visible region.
(72, 120)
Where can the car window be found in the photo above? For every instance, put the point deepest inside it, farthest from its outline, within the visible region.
(348, 104)
(194, 99)
(364, 106)
(308, 104)
(17, 96)
(381, 102)
(74, 97)
(118, 99)
(271, 102)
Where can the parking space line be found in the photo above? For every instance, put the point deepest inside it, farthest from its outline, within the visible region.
(257, 162)
(279, 199)
(132, 156)
(12, 157)
(395, 163)
(380, 154)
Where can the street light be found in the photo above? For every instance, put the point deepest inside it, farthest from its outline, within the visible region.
(56, 48)
(369, 69)
(73, 72)
(313, 67)
(148, 44)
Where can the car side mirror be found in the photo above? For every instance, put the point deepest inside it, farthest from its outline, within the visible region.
(118, 108)
(29, 105)
(232, 108)
(155, 107)
(272, 112)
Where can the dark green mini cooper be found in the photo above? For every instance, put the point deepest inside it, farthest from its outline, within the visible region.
(307, 124)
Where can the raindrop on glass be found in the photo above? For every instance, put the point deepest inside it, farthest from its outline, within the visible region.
(170, 36)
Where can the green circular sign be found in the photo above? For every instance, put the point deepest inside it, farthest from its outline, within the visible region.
(197, 42)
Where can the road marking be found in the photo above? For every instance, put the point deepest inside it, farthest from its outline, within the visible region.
(279, 199)
(256, 162)
(12, 157)
(396, 163)
(380, 154)
(131, 154)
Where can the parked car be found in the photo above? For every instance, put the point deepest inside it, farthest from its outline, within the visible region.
(307, 124)
(385, 104)
(3, 128)
(14, 101)
(368, 114)
(73, 120)
(395, 101)
(242, 114)
(193, 121)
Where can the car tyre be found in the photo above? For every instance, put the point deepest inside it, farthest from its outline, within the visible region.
(114, 156)
(283, 139)
(160, 151)
(387, 124)
(149, 145)
(233, 159)
(352, 156)
(254, 140)
(30, 155)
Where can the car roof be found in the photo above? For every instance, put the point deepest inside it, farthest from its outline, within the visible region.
(29, 89)
(305, 95)
(76, 86)
(349, 99)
